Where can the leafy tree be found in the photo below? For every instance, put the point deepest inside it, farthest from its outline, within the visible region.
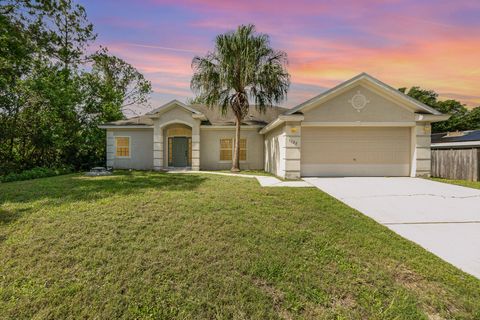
(429, 97)
(70, 32)
(115, 84)
(110, 88)
(473, 118)
(459, 120)
(17, 48)
(242, 68)
(52, 93)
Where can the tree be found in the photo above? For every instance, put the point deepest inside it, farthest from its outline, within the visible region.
(242, 68)
(109, 88)
(474, 118)
(115, 84)
(429, 97)
(459, 120)
(53, 94)
(70, 31)
(459, 116)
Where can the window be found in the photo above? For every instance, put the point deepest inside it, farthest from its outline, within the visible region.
(122, 147)
(226, 149)
(179, 130)
(243, 149)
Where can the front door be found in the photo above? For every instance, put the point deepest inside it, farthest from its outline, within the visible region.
(180, 151)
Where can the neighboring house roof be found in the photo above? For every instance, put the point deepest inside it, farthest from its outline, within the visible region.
(469, 138)
(364, 77)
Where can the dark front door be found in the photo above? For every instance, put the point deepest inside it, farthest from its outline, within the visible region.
(180, 151)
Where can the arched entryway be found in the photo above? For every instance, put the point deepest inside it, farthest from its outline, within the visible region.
(179, 145)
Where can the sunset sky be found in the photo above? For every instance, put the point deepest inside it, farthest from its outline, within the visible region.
(434, 44)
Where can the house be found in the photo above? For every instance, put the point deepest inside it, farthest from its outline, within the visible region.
(456, 155)
(456, 140)
(362, 127)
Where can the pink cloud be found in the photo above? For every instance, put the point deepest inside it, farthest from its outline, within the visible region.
(404, 43)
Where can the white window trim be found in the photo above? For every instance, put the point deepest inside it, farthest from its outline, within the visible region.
(129, 147)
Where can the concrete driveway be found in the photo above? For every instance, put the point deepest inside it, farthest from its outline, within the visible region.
(442, 218)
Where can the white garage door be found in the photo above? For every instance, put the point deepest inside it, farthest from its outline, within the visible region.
(359, 151)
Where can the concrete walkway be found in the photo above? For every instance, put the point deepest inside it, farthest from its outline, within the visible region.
(442, 218)
(265, 181)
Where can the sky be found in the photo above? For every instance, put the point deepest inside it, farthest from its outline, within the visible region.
(434, 44)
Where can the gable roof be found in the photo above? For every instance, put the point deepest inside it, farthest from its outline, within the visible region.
(254, 116)
(212, 116)
(170, 105)
(364, 78)
(139, 122)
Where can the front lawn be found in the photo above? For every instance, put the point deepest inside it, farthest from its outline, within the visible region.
(463, 183)
(162, 246)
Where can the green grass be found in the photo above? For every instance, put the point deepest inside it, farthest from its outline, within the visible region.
(162, 246)
(464, 183)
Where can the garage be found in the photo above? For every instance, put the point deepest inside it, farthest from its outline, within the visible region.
(355, 151)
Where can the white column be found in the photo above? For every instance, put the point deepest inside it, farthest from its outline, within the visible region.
(292, 153)
(196, 145)
(110, 149)
(422, 149)
(157, 146)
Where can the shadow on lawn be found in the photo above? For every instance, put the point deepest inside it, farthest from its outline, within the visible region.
(71, 188)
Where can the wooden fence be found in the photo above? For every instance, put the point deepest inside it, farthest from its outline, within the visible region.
(459, 164)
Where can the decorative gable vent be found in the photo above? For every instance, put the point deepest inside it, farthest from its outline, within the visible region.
(359, 101)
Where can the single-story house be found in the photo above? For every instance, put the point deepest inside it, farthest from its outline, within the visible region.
(361, 127)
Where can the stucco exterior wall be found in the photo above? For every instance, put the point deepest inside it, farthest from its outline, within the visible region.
(293, 147)
(422, 149)
(275, 151)
(210, 150)
(378, 109)
(141, 149)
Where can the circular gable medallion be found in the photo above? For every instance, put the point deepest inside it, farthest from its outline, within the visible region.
(358, 101)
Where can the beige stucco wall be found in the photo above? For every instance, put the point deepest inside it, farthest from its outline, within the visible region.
(339, 109)
(422, 152)
(275, 151)
(141, 149)
(210, 150)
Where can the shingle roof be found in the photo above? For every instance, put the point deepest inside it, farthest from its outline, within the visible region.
(134, 121)
(462, 136)
(214, 117)
(254, 116)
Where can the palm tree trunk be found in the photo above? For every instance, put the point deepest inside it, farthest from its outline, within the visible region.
(236, 147)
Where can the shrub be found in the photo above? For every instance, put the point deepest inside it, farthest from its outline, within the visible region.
(35, 173)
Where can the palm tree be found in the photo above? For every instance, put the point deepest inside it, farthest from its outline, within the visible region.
(242, 68)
